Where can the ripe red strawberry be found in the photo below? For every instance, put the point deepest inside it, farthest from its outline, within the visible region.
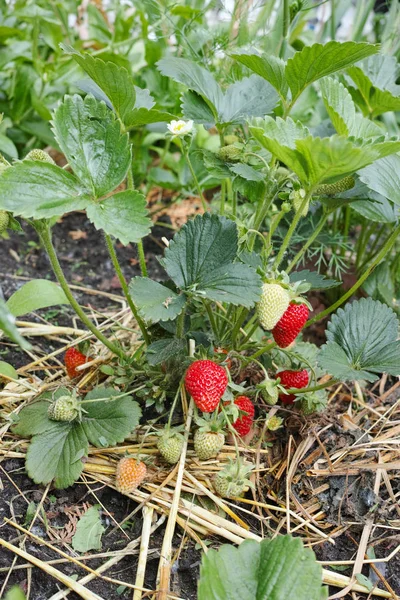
(130, 474)
(292, 379)
(206, 382)
(290, 324)
(72, 359)
(243, 423)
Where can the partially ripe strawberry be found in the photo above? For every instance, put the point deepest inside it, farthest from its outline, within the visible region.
(292, 379)
(72, 359)
(273, 303)
(290, 324)
(130, 474)
(206, 382)
(243, 423)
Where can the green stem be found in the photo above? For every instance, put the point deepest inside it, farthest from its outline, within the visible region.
(261, 212)
(44, 232)
(333, 20)
(196, 181)
(304, 249)
(172, 409)
(263, 350)
(142, 259)
(180, 325)
(285, 28)
(291, 230)
(239, 321)
(125, 289)
(211, 318)
(382, 253)
(222, 199)
(315, 388)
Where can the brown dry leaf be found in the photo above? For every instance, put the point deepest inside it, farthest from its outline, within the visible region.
(347, 423)
(74, 513)
(78, 234)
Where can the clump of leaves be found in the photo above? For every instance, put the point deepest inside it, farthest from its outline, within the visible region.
(57, 448)
(269, 570)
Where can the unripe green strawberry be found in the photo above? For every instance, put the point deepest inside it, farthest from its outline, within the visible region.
(207, 444)
(297, 198)
(170, 445)
(231, 139)
(37, 154)
(268, 389)
(274, 423)
(230, 153)
(64, 408)
(330, 189)
(4, 221)
(314, 402)
(233, 479)
(273, 303)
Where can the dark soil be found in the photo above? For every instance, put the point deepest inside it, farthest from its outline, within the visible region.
(56, 506)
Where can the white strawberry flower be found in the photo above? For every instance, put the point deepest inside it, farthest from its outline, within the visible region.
(180, 127)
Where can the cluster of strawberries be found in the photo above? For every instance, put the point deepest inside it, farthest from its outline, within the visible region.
(285, 317)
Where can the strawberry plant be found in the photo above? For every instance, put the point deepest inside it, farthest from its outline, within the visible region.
(232, 278)
(284, 143)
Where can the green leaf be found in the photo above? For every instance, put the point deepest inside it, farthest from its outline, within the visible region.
(154, 301)
(384, 177)
(123, 215)
(194, 77)
(88, 531)
(115, 81)
(362, 341)
(316, 280)
(25, 77)
(40, 190)
(269, 67)
(377, 209)
(8, 147)
(33, 418)
(275, 569)
(250, 97)
(317, 61)
(339, 105)
(7, 324)
(7, 370)
(200, 258)
(144, 116)
(247, 172)
(110, 420)
(163, 350)
(375, 79)
(380, 284)
(52, 454)
(195, 108)
(91, 139)
(314, 160)
(36, 294)
(363, 580)
(15, 593)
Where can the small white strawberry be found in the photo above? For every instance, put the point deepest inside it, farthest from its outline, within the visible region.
(273, 302)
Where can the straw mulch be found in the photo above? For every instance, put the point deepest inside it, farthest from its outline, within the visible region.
(355, 444)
